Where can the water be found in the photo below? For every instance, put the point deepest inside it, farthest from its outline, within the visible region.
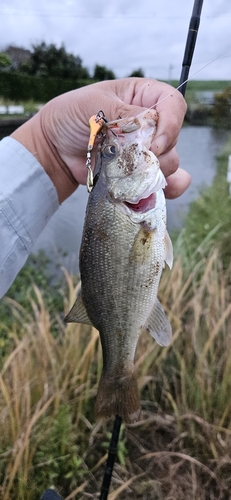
(61, 237)
(197, 148)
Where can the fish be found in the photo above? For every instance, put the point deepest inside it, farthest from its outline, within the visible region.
(124, 247)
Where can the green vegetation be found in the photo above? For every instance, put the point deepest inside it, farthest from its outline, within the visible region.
(194, 86)
(4, 60)
(48, 387)
(46, 71)
(208, 102)
(22, 294)
(21, 87)
(138, 73)
(208, 222)
(49, 372)
(43, 73)
(204, 85)
(101, 73)
(50, 61)
(221, 109)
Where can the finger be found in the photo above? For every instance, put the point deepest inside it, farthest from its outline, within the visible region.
(171, 108)
(128, 96)
(171, 116)
(177, 184)
(169, 162)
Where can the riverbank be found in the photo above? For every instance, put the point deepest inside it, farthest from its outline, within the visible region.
(49, 379)
(199, 97)
(195, 116)
(49, 376)
(9, 125)
(208, 222)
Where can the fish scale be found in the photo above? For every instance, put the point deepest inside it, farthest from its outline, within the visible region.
(121, 260)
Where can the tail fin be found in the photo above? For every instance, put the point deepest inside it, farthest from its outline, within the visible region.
(118, 395)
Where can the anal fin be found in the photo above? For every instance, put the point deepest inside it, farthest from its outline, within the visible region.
(78, 313)
(168, 250)
(158, 325)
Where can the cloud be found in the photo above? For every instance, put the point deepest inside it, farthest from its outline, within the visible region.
(125, 34)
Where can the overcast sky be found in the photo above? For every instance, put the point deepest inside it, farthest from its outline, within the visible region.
(125, 34)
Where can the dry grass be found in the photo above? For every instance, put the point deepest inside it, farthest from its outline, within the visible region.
(181, 447)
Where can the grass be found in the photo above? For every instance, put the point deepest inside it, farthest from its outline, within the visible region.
(193, 86)
(208, 219)
(44, 391)
(201, 85)
(179, 448)
(49, 372)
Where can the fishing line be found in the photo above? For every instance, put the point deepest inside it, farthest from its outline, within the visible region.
(187, 59)
(188, 79)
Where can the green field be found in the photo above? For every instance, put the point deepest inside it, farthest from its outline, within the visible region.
(200, 85)
(192, 86)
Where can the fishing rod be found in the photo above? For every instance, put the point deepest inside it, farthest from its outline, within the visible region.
(50, 494)
(186, 64)
(112, 452)
(190, 45)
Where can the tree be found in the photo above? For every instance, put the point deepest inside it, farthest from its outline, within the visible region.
(5, 61)
(48, 60)
(222, 109)
(102, 73)
(137, 72)
(17, 55)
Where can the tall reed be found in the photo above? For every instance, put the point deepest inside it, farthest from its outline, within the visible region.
(180, 449)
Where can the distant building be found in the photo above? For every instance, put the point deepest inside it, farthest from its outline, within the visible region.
(18, 55)
(12, 110)
(206, 97)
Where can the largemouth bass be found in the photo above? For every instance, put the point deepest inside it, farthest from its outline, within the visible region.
(124, 247)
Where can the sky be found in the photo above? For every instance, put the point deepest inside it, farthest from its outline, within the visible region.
(125, 35)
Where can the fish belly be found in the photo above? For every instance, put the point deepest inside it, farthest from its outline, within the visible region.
(120, 264)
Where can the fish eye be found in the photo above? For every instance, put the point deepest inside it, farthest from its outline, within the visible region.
(108, 151)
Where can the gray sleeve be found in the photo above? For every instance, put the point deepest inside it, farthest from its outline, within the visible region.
(28, 199)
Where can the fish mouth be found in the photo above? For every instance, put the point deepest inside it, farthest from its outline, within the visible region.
(143, 205)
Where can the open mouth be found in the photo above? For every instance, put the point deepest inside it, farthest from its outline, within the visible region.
(143, 205)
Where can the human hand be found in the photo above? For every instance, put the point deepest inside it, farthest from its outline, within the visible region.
(58, 135)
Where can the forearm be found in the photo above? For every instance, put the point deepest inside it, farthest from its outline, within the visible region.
(27, 201)
(32, 135)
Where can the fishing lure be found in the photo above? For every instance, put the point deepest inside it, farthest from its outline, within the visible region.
(96, 124)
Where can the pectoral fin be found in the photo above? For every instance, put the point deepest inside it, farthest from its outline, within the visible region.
(168, 250)
(158, 325)
(78, 313)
